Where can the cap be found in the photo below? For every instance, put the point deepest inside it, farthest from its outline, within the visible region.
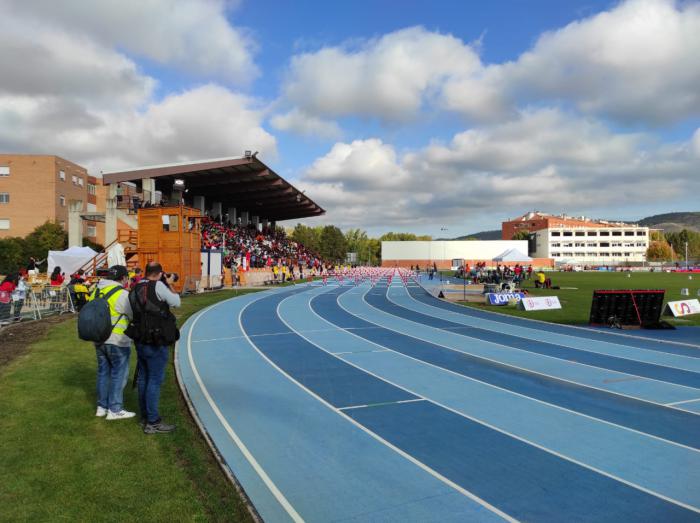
(117, 272)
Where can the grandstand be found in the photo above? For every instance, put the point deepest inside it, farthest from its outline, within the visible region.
(244, 196)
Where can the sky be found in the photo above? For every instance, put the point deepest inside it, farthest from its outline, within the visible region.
(399, 115)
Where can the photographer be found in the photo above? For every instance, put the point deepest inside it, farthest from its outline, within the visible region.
(154, 329)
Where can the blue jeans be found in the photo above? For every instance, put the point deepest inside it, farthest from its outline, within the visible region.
(112, 373)
(151, 369)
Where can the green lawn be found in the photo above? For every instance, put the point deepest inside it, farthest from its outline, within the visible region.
(576, 303)
(59, 462)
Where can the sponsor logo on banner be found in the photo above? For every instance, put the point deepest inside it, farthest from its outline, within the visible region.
(504, 297)
(540, 303)
(684, 307)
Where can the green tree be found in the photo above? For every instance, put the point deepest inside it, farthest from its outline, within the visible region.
(45, 238)
(403, 237)
(309, 237)
(678, 241)
(521, 235)
(11, 254)
(333, 245)
(659, 251)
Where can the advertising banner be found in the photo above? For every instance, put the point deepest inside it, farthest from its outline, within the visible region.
(540, 303)
(684, 307)
(502, 298)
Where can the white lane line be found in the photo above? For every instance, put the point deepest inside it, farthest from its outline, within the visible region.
(585, 329)
(383, 404)
(565, 361)
(493, 427)
(353, 351)
(281, 499)
(684, 401)
(463, 376)
(522, 335)
(395, 329)
(396, 449)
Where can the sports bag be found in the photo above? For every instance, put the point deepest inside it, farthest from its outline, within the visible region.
(95, 318)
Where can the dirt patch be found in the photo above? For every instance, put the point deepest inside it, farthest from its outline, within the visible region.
(16, 339)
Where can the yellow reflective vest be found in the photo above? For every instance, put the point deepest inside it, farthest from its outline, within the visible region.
(119, 321)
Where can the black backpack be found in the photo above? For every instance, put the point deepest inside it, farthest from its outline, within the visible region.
(153, 322)
(95, 318)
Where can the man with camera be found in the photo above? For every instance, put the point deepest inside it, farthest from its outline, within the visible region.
(154, 329)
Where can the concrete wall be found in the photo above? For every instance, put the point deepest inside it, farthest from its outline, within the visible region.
(447, 250)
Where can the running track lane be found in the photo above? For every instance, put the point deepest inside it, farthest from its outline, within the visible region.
(522, 480)
(670, 424)
(377, 298)
(421, 294)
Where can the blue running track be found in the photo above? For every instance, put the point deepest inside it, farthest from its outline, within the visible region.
(361, 403)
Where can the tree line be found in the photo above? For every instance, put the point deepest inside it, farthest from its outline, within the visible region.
(670, 246)
(332, 244)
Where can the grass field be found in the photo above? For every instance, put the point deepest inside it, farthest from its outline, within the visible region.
(578, 287)
(60, 463)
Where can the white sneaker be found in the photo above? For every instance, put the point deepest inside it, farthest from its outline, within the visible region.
(122, 414)
(101, 412)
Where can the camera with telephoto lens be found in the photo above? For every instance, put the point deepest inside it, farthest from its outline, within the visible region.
(167, 275)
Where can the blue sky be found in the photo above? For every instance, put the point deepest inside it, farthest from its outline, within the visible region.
(393, 115)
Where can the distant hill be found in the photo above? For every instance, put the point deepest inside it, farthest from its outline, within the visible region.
(483, 235)
(673, 221)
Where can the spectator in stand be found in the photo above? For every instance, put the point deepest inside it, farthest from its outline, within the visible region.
(57, 277)
(7, 287)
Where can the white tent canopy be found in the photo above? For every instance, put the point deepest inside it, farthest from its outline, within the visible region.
(512, 255)
(70, 260)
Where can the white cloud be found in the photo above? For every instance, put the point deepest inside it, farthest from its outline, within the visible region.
(389, 78)
(193, 35)
(205, 122)
(298, 122)
(637, 62)
(81, 99)
(542, 159)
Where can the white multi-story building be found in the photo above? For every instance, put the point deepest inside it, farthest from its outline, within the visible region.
(592, 245)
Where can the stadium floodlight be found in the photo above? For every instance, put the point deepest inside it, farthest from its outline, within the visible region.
(179, 183)
(248, 154)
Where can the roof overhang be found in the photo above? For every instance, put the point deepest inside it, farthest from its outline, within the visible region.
(245, 183)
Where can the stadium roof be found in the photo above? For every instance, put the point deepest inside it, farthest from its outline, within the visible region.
(243, 182)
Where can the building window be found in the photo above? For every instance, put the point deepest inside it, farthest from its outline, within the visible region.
(641, 233)
(62, 200)
(556, 233)
(629, 233)
(579, 244)
(628, 254)
(617, 233)
(91, 231)
(4, 224)
(4, 197)
(591, 254)
(604, 244)
(605, 233)
(568, 233)
(75, 180)
(641, 244)
(4, 170)
(92, 189)
(580, 233)
(556, 244)
(592, 233)
(80, 182)
(555, 255)
(580, 254)
(62, 175)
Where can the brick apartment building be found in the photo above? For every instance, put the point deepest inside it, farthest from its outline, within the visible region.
(38, 188)
(537, 221)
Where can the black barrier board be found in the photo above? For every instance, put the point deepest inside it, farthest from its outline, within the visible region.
(627, 308)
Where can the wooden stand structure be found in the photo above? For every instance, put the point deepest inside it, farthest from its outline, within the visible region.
(172, 236)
